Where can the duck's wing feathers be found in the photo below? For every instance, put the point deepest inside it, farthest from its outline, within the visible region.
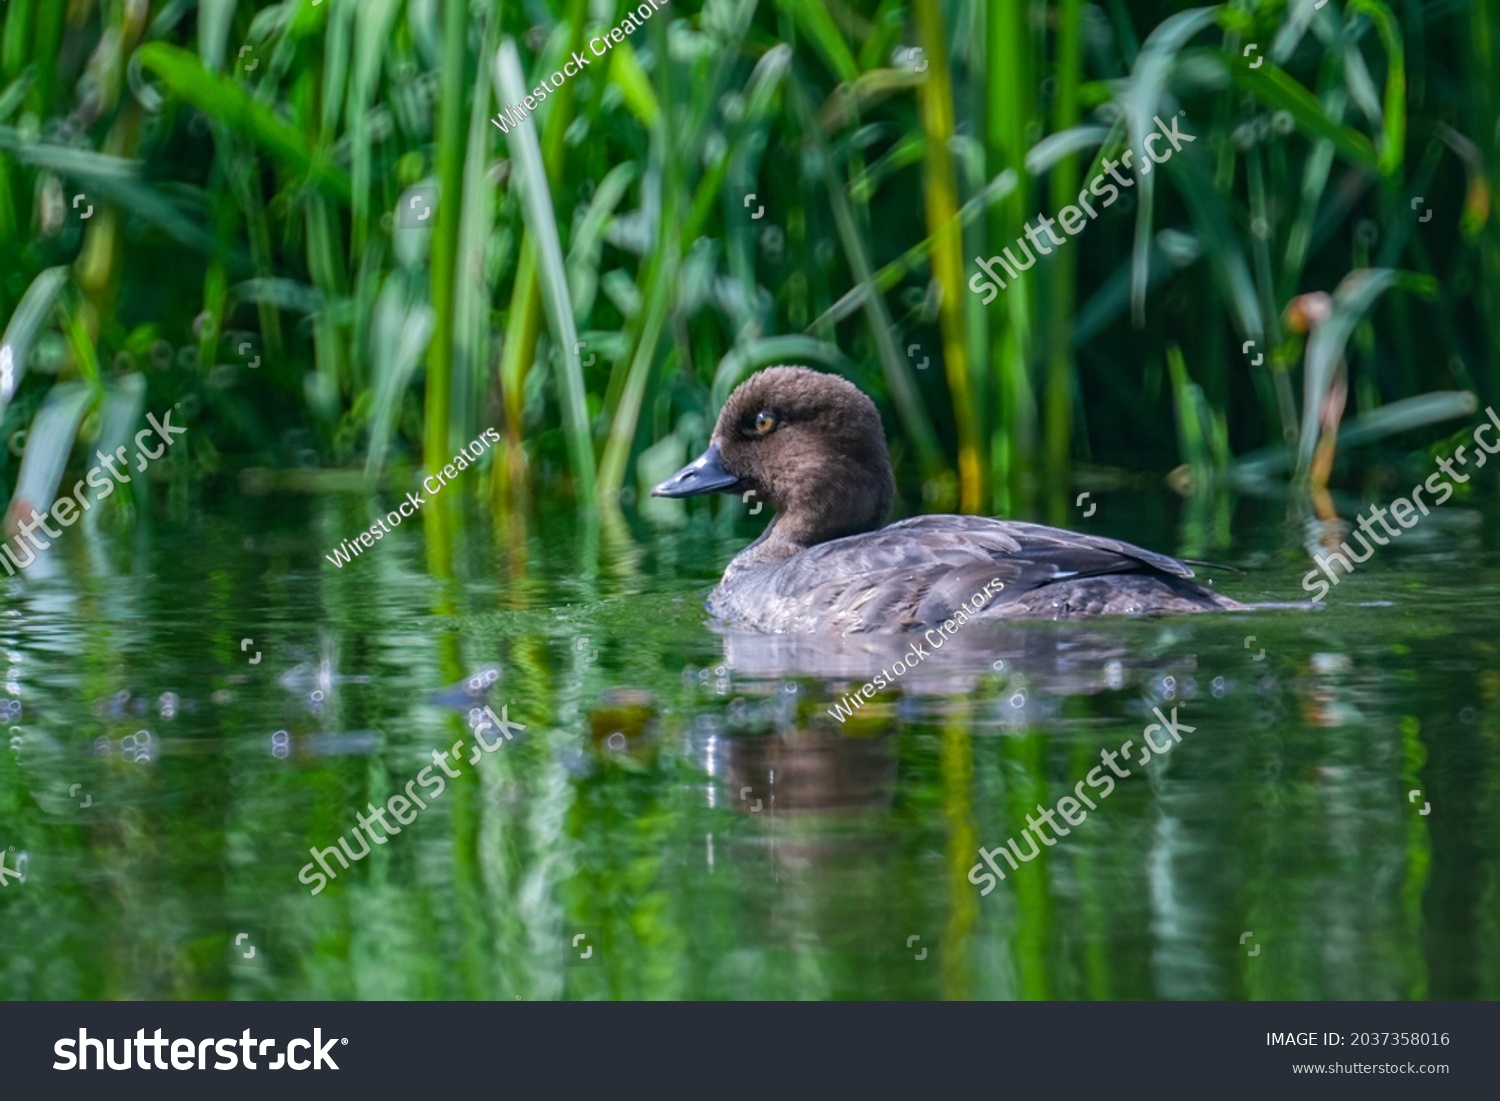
(925, 570)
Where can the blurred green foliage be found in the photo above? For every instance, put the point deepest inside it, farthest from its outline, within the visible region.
(255, 177)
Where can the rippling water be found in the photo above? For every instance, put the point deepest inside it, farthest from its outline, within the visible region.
(681, 816)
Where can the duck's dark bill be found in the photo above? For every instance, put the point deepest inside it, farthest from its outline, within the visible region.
(705, 474)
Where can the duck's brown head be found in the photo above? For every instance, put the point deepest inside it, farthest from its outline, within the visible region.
(810, 445)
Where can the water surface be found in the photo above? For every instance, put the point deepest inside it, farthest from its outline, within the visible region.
(681, 817)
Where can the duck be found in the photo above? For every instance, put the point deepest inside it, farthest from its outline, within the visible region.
(810, 445)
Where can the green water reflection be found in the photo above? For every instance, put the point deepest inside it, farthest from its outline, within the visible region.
(682, 805)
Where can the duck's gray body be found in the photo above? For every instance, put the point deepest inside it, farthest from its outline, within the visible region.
(921, 572)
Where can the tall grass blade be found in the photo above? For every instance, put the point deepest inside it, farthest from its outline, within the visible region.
(1141, 103)
(215, 18)
(24, 327)
(445, 236)
(48, 445)
(1325, 348)
(399, 334)
(1401, 416)
(941, 191)
(1393, 134)
(530, 177)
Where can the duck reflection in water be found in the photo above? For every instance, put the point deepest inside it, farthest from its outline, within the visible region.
(818, 768)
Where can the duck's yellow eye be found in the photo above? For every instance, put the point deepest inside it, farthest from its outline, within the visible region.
(765, 422)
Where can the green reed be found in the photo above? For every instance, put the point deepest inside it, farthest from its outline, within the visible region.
(263, 198)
